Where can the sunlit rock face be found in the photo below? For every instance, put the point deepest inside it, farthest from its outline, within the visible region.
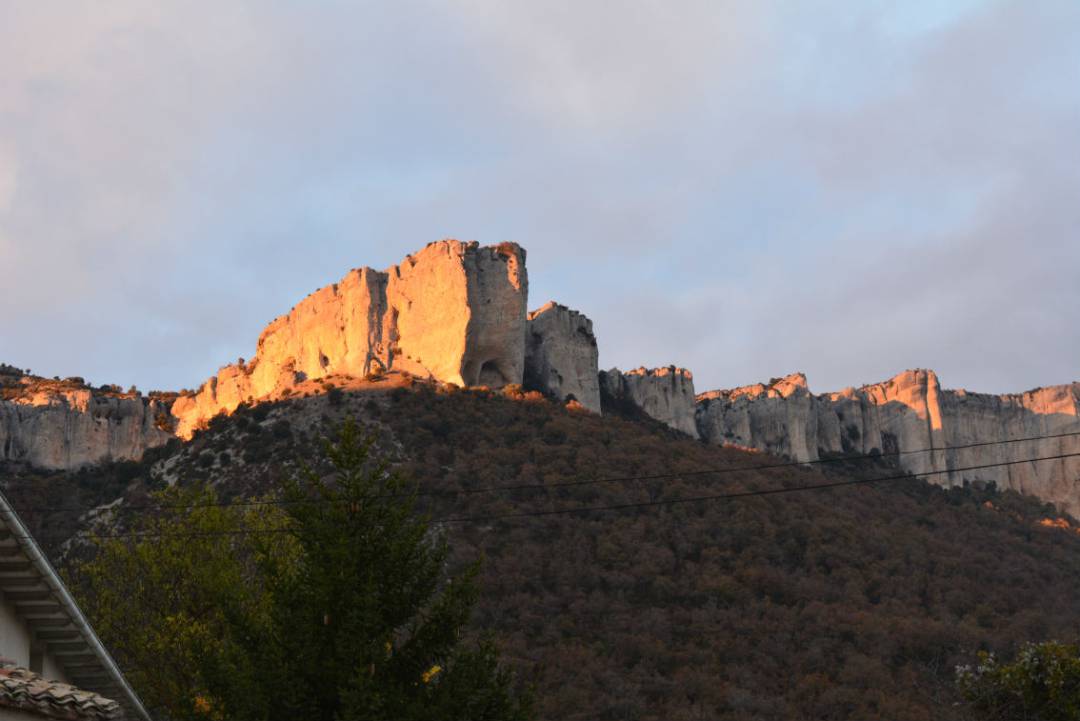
(458, 312)
(910, 412)
(976, 417)
(902, 413)
(561, 356)
(666, 394)
(454, 312)
(779, 416)
(64, 425)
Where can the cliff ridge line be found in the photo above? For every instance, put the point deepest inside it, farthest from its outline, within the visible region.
(453, 311)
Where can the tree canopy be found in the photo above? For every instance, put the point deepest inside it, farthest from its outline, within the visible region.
(329, 600)
(1041, 684)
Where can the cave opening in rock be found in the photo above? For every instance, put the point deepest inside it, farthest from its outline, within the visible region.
(491, 375)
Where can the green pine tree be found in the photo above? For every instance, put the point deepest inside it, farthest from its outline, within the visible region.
(338, 606)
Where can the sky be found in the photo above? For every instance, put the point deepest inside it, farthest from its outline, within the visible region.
(745, 189)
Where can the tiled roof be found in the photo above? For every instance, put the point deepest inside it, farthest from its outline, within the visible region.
(25, 690)
(31, 587)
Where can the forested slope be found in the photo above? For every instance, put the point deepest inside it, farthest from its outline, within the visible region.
(849, 603)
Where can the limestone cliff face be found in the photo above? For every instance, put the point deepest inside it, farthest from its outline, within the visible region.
(779, 417)
(454, 312)
(910, 412)
(666, 394)
(561, 356)
(903, 413)
(976, 417)
(66, 424)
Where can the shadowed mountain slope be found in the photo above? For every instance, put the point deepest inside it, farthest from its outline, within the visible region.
(850, 603)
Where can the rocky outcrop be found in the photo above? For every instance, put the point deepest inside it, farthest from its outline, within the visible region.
(780, 416)
(454, 312)
(910, 414)
(665, 394)
(66, 424)
(561, 356)
(457, 313)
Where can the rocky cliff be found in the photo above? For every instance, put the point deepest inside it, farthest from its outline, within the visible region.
(910, 412)
(56, 424)
(561, 356)
(779, 417)
(666, 394)
(454, 312)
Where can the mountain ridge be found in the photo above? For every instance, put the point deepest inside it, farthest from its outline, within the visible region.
(457, 313)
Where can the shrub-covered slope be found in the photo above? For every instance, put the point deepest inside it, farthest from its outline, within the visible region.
(850, 603)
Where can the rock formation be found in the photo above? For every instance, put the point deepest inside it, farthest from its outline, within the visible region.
(454, 312)
(780, 417)
(666, 394)
(561, 356)
(66, 424)
(910, 413)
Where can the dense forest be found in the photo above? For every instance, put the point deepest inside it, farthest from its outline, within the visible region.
(855, 602)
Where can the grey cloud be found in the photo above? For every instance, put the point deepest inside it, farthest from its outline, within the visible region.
(741, 188)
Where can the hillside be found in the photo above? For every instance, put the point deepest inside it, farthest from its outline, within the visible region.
(850, 603)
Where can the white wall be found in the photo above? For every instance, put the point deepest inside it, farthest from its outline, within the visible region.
(14, 636)
(15, 640)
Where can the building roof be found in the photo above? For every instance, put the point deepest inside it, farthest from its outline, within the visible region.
(33, 588)
(23, 689)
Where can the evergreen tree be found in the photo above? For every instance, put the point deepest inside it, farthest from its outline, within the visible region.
(333, 602)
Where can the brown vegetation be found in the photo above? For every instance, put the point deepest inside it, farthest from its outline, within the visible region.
(852, 603)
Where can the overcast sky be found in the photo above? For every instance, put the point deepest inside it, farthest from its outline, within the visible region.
(745, 189)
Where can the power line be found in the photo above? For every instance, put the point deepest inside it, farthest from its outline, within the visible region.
(760, 467)
(746, 494)
(567, 484)
(617, 507)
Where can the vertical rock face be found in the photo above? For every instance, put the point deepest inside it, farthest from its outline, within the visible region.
(976, 417)
(908, 413)
(666, 394)
(561, 356)
(66, 424)
(779, 416)
(458, 311)
(902, 413)
(453, 311)
(341, 328)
